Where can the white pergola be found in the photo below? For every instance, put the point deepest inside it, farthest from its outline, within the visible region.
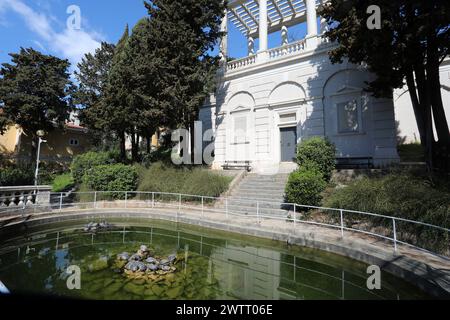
(258, 18)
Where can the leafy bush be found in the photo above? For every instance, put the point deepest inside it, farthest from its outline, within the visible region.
(82, 163)
(16, 176)
(48, 171)
(62, 182)
(411, 152)
(113, 177)
(305, 186)
(404, 196)
(196, 181)
(159, 155)
(318, 151)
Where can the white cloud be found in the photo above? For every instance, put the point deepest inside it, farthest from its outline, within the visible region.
(71, 44)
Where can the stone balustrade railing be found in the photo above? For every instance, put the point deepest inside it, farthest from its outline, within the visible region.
(288, 49)
(241, 63)
(24, 196)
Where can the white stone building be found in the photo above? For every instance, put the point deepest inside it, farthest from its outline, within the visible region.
(268, 102)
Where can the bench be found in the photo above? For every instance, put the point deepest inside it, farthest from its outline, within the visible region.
(237, 165)
(354, 163)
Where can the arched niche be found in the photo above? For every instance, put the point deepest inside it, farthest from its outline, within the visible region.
(240, 101)
(286, 92)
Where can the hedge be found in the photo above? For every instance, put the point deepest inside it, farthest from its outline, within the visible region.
(82, 163)
(305, 187)
(113, 177)
(318, 151)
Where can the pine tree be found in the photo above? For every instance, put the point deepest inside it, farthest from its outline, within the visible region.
(92, 76)
(181, 67)
(35, 93)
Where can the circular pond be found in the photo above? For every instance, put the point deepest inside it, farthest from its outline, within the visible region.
(180, 262)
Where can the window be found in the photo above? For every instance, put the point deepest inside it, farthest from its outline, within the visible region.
(74, 142)
(240, 129)
(290, 117)
(348, 116)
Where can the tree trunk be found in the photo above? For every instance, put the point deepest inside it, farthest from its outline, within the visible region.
(423, 90)
(440, 120)
(123, 151)
(148, 146)
(33, 154)
(418, 109)
(134, 151)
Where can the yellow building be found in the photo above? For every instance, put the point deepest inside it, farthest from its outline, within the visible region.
(61, 146)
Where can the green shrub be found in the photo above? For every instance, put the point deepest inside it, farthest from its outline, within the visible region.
(48, 171)
(399, 195)
(411, 152)
(196, 181)
(113, 177)
(88, 160)
(319, 151)
(305, 187)
(62, 182)
(16, 176)
(159, 155)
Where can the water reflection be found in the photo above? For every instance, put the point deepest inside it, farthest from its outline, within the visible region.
(216, 266)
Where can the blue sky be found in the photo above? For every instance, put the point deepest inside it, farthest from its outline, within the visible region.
(41, 24)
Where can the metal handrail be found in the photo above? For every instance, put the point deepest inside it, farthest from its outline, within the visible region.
(258, 205)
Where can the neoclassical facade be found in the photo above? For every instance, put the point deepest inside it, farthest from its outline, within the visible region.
(271, 100)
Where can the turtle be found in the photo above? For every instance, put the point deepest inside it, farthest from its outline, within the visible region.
(150, 260)
(136, 266)
(135, 257)
(165, 268)
(132, 266)
(141, 266)
(164, 262)
(123, 256)
(151, 267)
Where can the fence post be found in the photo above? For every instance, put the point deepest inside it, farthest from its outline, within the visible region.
(202, 208)
(295, 215)
(60, 201)
(257, 211)
(95, 200)
(126, 199)
(395, 234)
(153, 199)
(179, 203)
(226, 208)
(342, 222)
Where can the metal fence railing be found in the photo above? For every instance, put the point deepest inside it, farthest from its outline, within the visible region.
(420, 235)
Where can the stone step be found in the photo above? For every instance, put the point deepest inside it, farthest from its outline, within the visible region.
(253, 203)
(266, 179)
(252, 211)
(259, 196)
(275, 188)
(250, 180)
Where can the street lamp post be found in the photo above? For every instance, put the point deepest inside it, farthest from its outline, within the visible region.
(40, 134)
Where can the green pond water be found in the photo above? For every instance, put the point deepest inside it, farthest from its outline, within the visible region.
(210, 265)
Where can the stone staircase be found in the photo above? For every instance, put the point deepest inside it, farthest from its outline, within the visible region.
(258, 193)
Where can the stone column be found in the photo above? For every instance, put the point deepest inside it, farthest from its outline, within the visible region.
(250, 46)
(323, 25)
(263, 31)
(262, 25)
(284, 36)
(311, 21)
(224, 40)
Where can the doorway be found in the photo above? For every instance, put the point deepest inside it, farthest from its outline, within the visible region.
(288, 143)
